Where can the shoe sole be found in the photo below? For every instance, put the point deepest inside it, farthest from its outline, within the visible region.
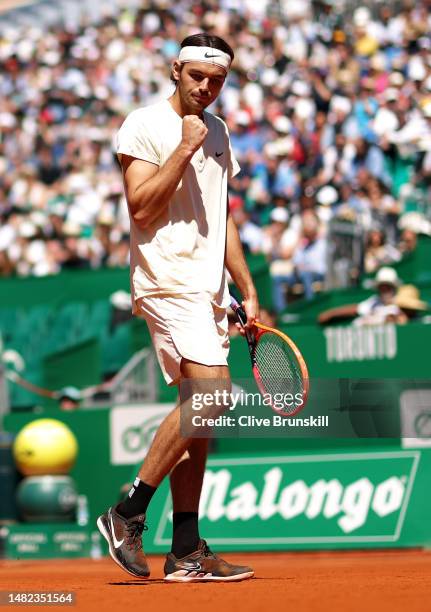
(105, 534)
(186, 576)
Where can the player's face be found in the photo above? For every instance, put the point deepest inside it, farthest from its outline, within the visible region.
(199, 84)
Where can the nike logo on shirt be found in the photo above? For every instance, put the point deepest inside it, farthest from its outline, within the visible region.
(218, 154)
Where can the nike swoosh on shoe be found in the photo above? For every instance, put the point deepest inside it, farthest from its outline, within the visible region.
(117, 543)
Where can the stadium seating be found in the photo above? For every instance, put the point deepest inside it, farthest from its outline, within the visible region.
(45, 329)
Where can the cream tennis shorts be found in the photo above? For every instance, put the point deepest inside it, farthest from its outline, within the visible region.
(192, 326)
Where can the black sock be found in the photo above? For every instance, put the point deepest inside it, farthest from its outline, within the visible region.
(185, 539)
(137, 500)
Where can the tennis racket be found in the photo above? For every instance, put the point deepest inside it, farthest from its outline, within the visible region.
(278, 367)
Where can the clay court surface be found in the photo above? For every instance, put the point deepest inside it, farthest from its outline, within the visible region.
(327, 581)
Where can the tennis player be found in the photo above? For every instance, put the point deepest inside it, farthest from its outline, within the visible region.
(176, 160)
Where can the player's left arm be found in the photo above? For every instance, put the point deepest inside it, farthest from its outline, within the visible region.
(238, 269)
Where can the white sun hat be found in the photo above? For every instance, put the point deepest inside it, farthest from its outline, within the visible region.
(388, 276)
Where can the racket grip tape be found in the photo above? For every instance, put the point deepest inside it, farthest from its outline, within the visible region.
(242, 318)
(239, 311)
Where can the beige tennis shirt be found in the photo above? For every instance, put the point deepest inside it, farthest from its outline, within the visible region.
(183, 250)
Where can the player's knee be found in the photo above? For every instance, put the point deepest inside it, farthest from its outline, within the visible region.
(208, 397)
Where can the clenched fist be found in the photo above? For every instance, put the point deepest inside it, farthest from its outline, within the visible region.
(194, 132)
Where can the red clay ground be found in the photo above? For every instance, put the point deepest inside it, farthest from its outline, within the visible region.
(327, 581)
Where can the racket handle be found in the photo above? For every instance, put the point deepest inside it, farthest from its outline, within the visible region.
(239, 311)
(234, 303)
(242, 318)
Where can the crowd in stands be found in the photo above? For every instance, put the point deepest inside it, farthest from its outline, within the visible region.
(329, 114)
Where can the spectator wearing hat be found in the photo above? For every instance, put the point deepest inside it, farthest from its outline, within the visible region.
(377, 309)
(386, 120)
(272, 233)
(69, 398)
(408, 299)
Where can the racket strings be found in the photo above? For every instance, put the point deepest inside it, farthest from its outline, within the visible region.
(279, 368)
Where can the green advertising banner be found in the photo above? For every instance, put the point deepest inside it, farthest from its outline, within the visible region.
(311, 501)
(35, 541)
(303, 494)
(377, 351)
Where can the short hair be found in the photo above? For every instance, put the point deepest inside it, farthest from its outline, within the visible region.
(206, 40)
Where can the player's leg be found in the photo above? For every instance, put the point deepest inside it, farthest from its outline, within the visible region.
(186, 477)
(123, 524)
(190, 559)
(179, 326)
(169, 444)
(186, 485)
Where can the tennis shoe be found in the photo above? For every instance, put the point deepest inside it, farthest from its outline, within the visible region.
(203, 565)
(124, 537)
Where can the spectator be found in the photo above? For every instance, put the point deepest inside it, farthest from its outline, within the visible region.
(378, 252)
(251, 235)
(309, 262)
(378, 309)
(408, 299)
(408, 242)
(273, 233)
(69, 399)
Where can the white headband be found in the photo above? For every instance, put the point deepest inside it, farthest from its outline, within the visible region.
(208, 55)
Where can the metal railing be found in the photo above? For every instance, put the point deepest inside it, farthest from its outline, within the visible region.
(135, 383)
(345, 254)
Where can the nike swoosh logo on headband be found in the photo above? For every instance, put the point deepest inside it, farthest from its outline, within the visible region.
(208, 56)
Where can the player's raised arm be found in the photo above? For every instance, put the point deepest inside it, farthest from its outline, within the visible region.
(149, 187)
